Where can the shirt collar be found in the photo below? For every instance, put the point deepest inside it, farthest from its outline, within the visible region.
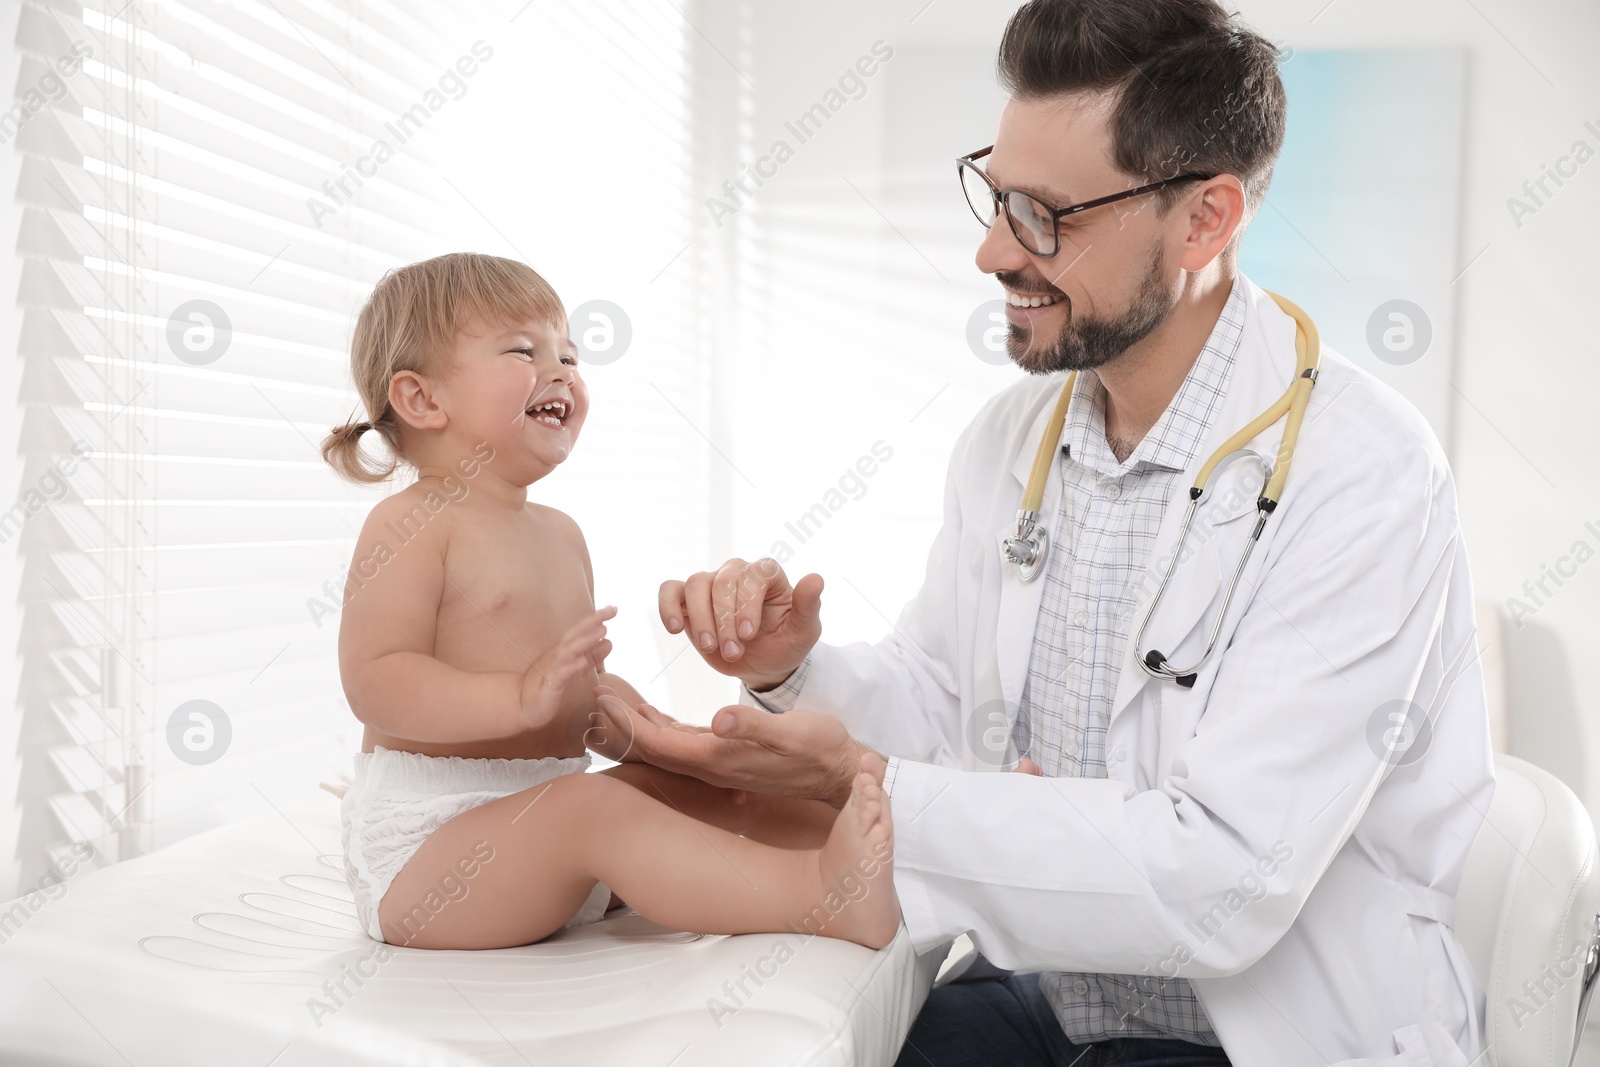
(1173, 442)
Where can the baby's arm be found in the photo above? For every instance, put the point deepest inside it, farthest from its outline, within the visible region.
(600, 736)
(386, 640)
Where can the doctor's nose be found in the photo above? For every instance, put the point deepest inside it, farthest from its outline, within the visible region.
(1001, 251)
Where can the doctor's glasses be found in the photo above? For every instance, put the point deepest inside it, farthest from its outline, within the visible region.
(1036, 224)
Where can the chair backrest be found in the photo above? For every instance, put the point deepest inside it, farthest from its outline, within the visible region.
(1526, 914)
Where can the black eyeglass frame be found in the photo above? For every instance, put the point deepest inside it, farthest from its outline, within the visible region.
(1056, 213)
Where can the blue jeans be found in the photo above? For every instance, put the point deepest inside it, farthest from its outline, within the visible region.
(1007, 1021)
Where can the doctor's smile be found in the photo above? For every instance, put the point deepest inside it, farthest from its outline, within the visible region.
(1033, 313)
(1027, 598)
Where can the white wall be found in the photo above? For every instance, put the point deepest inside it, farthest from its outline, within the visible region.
(11, 846)
(1523, 446)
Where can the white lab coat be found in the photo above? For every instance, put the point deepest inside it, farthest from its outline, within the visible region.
(1357, 595)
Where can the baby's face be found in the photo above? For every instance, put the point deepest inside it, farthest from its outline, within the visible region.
(517, 387)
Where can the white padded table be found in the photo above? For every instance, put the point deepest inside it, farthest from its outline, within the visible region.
(227, 948)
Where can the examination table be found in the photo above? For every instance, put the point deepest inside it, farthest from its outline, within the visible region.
(240, 946)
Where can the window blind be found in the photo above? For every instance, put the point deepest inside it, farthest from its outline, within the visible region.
(208, 196)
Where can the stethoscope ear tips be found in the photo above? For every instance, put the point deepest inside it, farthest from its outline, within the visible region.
(1154, 660)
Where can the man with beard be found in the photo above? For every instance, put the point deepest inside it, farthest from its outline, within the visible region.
(1246, 864)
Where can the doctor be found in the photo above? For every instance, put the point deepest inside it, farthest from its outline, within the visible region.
(1257, 867)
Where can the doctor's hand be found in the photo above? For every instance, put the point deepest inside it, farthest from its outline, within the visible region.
(746, 620)
(801, 753)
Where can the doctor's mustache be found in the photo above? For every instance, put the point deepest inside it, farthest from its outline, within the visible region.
(1021, 283)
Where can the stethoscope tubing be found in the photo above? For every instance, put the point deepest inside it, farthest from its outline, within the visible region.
(1030, 544)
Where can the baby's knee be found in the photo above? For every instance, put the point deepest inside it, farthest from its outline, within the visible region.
(583, 810)
(589, 799)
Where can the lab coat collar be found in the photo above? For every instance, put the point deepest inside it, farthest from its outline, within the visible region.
(1019, 600)
(1263, 366)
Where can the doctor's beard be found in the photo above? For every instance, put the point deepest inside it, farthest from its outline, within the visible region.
(1087, 341)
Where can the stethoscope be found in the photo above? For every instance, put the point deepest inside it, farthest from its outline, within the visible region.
(1029, 546)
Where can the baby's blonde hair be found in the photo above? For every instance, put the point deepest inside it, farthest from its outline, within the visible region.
(410, 322)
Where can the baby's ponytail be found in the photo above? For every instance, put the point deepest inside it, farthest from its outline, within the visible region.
(342, 450)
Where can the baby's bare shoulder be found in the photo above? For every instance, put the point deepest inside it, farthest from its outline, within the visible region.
(561, 530)
(419, 512)
(557, 523)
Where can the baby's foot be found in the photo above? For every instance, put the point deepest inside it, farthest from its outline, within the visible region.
(856, 865)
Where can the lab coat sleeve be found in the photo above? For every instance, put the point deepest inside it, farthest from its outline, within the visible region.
(1360, 603)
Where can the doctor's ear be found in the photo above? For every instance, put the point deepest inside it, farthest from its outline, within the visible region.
(412, 396)
(1211, 215)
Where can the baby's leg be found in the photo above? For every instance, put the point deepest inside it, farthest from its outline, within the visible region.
(785, 822)
(548, 845)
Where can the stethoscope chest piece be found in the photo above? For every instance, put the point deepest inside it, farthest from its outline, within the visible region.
(1027, 548)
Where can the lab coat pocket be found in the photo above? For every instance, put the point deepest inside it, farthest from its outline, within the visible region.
(1411, 917)
(1194, 584)
(1440, 962)
(1421, 997)
(1186, 613)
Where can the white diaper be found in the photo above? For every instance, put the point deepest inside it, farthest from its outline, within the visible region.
(398, 798)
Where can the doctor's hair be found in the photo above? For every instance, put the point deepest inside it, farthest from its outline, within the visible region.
(411, 322)
(1193, 89)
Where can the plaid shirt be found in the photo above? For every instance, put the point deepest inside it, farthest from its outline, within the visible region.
(1107, 521)
(1109, 515)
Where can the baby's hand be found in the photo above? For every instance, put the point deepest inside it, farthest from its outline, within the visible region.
(582, 648)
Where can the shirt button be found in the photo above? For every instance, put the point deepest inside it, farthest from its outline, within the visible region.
(1121, 753)
(1081, 618)
(1113, 491)
(1080, 987)
(1071, 747)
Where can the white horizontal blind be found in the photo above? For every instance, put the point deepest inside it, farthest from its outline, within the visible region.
(205, 208)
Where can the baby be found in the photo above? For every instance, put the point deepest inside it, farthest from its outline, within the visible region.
(471, 649)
